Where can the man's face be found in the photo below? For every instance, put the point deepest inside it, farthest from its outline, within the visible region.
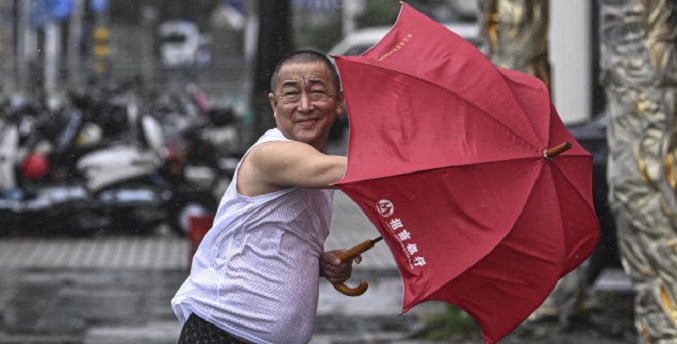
(305, 102)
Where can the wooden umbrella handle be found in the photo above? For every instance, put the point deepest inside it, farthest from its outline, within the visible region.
(347, 256)
(346, 290)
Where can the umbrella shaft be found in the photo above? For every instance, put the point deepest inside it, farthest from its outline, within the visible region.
(356, 250)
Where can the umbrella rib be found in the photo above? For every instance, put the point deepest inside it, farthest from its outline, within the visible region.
(572, 184)
(430, 169)
(464, 100)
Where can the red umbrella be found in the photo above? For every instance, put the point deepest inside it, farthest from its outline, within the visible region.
(449, 158)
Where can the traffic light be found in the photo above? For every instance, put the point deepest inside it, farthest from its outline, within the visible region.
(101, 48)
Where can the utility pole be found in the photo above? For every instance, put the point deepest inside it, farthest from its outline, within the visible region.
(52, 31)
(150, 15)
(73, 58)
(23, 48)
(6, 50)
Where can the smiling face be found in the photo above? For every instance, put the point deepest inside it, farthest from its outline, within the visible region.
(305, 102)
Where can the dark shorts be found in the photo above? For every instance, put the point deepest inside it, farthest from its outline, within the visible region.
(199, 331)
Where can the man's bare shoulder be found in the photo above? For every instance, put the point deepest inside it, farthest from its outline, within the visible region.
(270, 154)
(253, 175)
(277, 147)
(274, 165)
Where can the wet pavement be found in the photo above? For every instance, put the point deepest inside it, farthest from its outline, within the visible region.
(132, 306)
(115, 289)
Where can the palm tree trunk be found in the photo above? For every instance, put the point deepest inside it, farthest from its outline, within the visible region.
(638, 64)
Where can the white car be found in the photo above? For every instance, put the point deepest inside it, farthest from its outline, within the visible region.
(359, 41)
(179, 45)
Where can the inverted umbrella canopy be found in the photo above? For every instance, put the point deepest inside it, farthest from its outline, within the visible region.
(447, 157)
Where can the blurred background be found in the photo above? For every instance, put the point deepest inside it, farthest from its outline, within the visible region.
(124, 115)
(50, 47)
(128, 116)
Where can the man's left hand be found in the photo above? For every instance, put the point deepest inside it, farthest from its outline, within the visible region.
(332, 269)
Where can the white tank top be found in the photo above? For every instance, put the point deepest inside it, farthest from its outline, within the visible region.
(256, 272)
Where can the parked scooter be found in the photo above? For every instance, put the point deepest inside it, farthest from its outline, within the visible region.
(99, 165)
(26, 204)
(200, 163)
(122, 177)
(65, 184)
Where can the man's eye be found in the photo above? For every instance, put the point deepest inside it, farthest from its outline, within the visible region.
(290, 95)
(318, 94)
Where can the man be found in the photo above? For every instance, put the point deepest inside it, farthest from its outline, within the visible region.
(255, 276)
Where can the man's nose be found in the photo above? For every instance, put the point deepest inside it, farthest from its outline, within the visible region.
(305, 104)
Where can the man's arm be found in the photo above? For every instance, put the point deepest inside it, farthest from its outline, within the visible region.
(277, 165)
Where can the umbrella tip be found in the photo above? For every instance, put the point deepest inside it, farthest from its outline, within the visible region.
(556, 150)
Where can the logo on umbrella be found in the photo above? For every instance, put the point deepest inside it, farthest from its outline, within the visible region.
(385, 208)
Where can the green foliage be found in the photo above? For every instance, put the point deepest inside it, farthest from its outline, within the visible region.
(323, 30)
(320, 36)
(455, 322)
(379, 13)
(384, 12)
(130, 11)
(125, 11)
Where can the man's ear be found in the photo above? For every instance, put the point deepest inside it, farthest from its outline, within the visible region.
(340, 103)
(273, 103)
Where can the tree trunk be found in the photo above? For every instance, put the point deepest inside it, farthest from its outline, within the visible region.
(274, 42)
(639, 70)
(516, 34)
